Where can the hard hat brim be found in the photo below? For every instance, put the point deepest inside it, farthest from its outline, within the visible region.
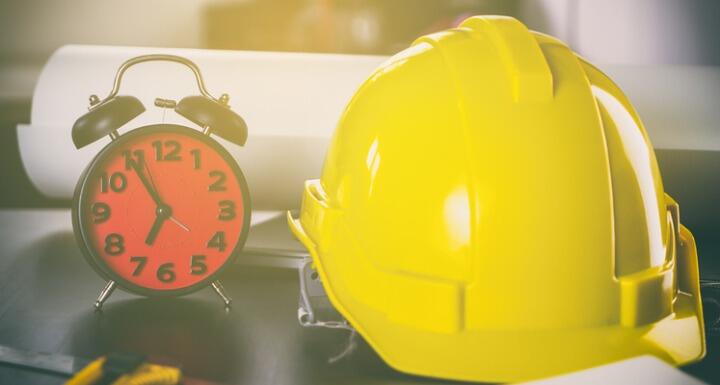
(506, 355)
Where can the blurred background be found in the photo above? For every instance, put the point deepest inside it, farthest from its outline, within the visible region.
(634, 32)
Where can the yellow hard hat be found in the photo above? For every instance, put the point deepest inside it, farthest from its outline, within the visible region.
(491, 209)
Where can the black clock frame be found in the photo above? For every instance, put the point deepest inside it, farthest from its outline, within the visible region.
(83, 239)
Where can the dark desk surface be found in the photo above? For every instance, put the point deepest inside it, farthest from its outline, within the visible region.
(47, 291)
(46, 296)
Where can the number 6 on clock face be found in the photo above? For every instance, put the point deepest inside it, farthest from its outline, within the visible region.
(162, 210)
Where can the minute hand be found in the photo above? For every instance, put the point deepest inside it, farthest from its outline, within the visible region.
(148, 186)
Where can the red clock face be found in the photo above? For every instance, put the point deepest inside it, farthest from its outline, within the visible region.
(162, 210)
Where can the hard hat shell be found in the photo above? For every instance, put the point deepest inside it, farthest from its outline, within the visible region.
(491, 209)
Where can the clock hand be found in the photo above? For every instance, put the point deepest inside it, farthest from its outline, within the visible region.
(177, 222)
(148, 186)
(162, 213)
(149, 174)
(154, 230)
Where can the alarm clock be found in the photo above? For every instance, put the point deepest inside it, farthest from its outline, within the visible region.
(162, 209)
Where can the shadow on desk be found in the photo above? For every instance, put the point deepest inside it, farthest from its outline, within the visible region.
(189, 332)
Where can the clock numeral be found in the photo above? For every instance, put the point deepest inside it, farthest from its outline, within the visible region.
(165, 272)
(196, 156)
(217, 241)
(227, 210)
(117, 182)
(101, 211)
(136, 157)
(172, 155)
(197, 265)
(114, 244)
(219, 184)
(141, 261)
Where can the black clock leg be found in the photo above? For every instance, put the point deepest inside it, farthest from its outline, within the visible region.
(220, 290)
(104, 294)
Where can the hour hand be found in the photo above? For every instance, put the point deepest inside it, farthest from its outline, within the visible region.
(161, 214)
(154, 230)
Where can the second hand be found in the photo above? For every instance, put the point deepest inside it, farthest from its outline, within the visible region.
(177, 222)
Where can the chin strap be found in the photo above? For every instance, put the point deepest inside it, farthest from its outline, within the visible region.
(316, 311)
